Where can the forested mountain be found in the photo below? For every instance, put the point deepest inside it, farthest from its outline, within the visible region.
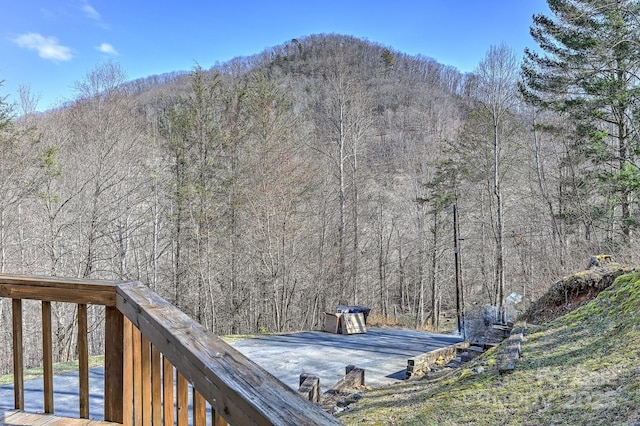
(262, 192)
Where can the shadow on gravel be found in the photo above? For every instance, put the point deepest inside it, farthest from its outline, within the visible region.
(383, 353)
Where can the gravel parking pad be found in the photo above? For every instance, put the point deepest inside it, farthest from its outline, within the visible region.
(383, 353)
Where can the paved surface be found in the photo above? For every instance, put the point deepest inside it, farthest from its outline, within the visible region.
(66, 400)
(383, 353)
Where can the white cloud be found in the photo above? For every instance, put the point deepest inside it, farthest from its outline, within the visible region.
(47, 47)
(89, 11)
(108, 49)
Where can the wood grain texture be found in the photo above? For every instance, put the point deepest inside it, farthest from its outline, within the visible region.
(136, 351)
(167, 392)
(22, 418)
(18, 360)
(83, 361)
(145, 364)
(353, 323)
(354, 378)
(127, 373)
(156, 386)
(421, 363)
(60, 282)
(240, 390)
(182, 400)
(217, 419)
(199, 409)
(54, 289)
(309, 387)
(113, 365)
(47, 358)
(53, 294)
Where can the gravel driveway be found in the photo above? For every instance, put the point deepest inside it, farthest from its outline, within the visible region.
(66, 397)
(383, 353)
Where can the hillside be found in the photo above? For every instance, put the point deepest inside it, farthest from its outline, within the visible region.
(254, 196)
(261, 193)
(581, 368)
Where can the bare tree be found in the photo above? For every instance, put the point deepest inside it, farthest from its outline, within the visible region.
(497, 83)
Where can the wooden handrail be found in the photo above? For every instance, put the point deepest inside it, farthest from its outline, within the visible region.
(240, 390)
(70, 290)
(147, 339)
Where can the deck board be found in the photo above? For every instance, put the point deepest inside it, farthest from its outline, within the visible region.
(15, 418)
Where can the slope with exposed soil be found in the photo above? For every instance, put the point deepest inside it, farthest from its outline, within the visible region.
(575, 290)
(579, 368)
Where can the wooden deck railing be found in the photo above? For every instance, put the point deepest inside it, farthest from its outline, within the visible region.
(148, 342)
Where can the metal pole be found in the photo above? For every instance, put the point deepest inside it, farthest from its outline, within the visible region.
(456, 254)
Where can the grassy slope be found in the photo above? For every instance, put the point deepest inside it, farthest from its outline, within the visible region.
(583, 368)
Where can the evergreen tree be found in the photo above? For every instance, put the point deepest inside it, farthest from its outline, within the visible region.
(588, 73)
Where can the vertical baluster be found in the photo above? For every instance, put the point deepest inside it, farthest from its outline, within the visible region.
(145, 365)
(137, 376)
(167, 392)
(47, 357)
(114, 365)
(217, 419)
(83, 361)
(127, 373)
(18, 364)
(156, 387)
(183, 400)
(199, 409)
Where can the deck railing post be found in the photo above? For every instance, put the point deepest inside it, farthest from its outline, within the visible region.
(143, 332)
(113, 365)
(167, 392)
(136, 349)
(18, 362)
(156, 386)
(83, 360)
(47, 357)
(128, 373)
(182, 399)
(145, 373)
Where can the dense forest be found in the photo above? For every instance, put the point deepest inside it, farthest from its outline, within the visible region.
(260, 193)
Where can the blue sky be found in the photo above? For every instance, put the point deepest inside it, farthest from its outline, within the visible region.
(48, 45)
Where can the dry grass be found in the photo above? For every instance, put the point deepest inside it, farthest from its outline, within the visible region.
(58, 368)
(447, 322)
(579, 369)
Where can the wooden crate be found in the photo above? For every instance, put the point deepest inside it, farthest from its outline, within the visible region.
(353, 323)
(331, 322)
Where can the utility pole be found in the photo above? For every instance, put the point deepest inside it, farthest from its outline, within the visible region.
(459, 287)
